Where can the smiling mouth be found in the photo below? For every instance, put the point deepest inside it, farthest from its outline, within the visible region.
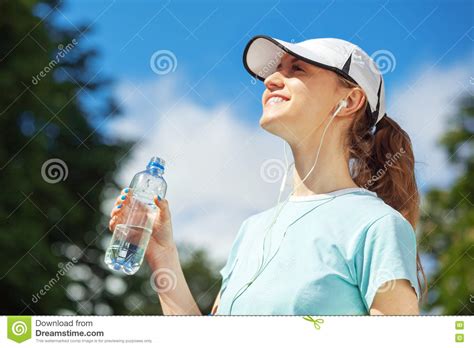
(276, 100)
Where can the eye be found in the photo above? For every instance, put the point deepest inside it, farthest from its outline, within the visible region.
(296, 67)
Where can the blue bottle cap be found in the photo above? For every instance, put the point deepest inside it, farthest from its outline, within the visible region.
(157, 163)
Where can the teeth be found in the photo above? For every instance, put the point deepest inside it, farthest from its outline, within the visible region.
(275, 100)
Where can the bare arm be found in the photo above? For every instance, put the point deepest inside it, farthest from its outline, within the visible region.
(399, 298)
(216, 304)
(171, 286)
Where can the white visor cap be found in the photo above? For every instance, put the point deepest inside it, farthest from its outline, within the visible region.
(263, 54)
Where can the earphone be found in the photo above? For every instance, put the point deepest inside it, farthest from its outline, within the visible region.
(342, 104)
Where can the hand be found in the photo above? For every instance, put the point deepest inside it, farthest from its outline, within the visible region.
(161, 244)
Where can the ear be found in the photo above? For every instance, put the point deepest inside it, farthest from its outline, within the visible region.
(355, 101)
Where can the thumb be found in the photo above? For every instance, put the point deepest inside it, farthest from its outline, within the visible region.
(157, 200)
(163, 210)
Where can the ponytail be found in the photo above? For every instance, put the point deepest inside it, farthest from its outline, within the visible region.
(393, 169)
(383, 162)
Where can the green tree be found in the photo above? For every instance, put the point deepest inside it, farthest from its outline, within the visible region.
(448, 223)
(44, 74)
(52, 232)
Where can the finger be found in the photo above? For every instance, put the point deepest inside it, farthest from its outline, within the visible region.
(163, 209)
(112, 223)
(121, 200)
(160, 202)
(116, 211)
(157, 200)
(123, 196)
(161, 224)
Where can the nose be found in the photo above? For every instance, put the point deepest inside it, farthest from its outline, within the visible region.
(274, 81)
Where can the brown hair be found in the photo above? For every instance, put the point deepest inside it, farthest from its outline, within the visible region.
(384, 163)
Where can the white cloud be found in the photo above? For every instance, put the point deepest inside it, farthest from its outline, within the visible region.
(423, 106)
(213, 160)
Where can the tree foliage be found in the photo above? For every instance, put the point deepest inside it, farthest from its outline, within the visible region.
(448, 222)
(52, 232)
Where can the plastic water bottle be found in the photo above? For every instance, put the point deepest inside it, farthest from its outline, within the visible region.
(130, 239)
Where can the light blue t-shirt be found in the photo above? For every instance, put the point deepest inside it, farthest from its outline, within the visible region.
(338, 249)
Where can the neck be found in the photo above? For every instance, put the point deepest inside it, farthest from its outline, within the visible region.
(331, 172)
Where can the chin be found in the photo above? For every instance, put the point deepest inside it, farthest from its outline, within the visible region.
(272, 123)
(279, 112)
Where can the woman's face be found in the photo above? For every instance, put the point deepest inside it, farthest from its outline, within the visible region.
(297, 99)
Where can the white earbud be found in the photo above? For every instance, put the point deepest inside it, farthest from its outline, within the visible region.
(343, 103)
(340, 105)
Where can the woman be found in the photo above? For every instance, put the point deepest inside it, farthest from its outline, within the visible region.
(343, 242)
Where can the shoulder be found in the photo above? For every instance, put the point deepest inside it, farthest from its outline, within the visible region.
(382, 216)
(368, 202)
(390, 234)
(392, 226)
(371, 211)
(367, 218)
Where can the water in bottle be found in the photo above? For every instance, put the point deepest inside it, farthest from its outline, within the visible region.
(130, 238)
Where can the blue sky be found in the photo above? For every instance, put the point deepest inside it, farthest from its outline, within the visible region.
(208, 37)
(212, 108)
